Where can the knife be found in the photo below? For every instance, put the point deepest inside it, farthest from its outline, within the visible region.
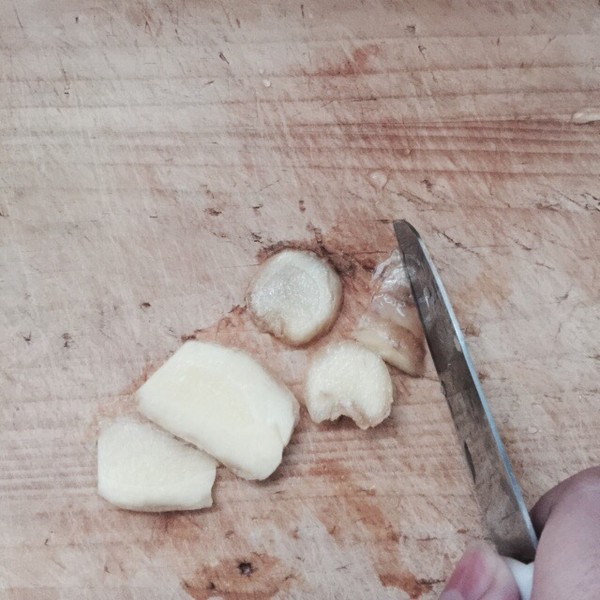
(496, 487)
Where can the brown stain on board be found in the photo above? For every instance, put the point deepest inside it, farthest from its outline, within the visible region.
(406, 581)
(357, 64)
(254, 577)
(361, 507)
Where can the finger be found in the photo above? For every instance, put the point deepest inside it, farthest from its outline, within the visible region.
(590, 478)
(567, 563)
(480, 575)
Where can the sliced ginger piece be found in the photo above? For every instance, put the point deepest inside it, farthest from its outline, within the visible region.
(346, 378)
(295, 296)
(391, 326)
(144, 468)
(224, 402)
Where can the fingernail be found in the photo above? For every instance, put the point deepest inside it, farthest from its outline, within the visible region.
(466, 581)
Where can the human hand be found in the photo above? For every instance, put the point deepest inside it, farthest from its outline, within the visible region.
(567, 563)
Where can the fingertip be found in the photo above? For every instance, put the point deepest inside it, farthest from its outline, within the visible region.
(480, 575)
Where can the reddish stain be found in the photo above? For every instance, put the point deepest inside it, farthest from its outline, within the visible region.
(255, 577)
(363, 509)
(414, 587)
(329, 468)
(361, 56)
(357, 65)
(140, 379)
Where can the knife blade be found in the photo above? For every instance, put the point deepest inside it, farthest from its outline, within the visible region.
(497, 490)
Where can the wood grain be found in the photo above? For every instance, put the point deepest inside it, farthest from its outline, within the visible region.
(150, 152)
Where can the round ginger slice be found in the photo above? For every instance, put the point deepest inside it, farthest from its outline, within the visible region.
(348, 379)
(295, 296)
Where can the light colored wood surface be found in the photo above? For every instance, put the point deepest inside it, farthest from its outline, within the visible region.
(149, 152)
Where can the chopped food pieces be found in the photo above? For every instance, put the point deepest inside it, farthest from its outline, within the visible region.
(225, 403)
(296, 296)
(143, 468)
(348, 379)
(391, 326)
(232, 410)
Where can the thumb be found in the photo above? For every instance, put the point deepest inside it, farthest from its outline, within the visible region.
(480, 575)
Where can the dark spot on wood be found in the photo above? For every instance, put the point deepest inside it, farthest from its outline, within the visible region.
(301, 206)
(391, 536)
(27, 337)
(209, 192)
(256, 237)
(257, 207)
(186, 337)
(482, 375)
(302, 9)
(462, 530)
(153, 216)
(246, 568)
(210, 82)
(3, 214)
(192, 590)
(411, 29)
(106, 570)
(46, 541)
(76, 19)
(211, 586)
(471, 330)
(316, 231)
(67, 339)
(145, 305)
(428, 185)
(422, 49)
(223, 57)
(237, 22)
(454, 242)
(213, 212)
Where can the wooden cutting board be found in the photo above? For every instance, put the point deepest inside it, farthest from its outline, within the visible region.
(151, 152)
